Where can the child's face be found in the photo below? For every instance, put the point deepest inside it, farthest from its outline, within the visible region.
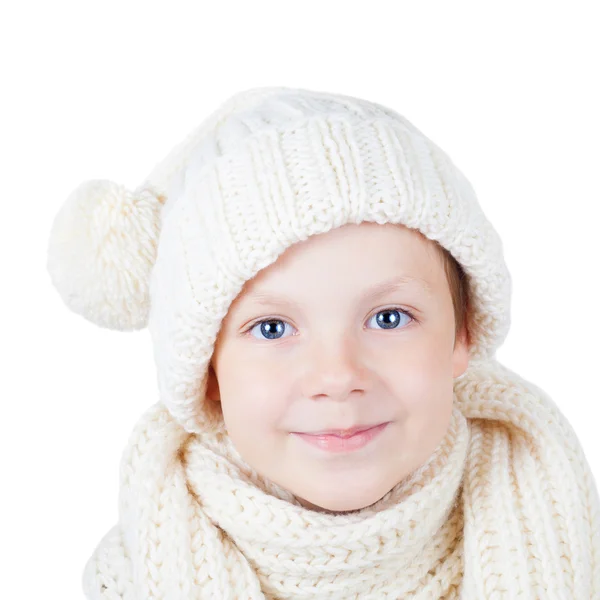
(326, 360)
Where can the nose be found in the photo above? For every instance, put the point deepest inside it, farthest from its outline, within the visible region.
(334, 370)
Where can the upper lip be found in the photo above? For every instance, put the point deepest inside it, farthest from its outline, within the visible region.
(344, 432)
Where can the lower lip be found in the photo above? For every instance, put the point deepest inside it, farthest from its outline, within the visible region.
(334, 443)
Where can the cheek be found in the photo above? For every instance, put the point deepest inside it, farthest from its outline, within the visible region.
(253, 396)
(426, 403)
(421, 383)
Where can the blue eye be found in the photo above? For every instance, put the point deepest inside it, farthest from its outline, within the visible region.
(270, 328)
(390, 317)
(274, 329)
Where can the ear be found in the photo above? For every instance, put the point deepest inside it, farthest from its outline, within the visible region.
(460, 359)
(212, 385)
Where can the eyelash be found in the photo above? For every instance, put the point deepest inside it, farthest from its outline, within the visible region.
(404, 311)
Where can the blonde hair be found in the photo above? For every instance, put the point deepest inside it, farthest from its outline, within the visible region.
(459, 290)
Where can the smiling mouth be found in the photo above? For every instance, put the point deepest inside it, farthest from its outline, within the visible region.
(331, 442)
(342, 433)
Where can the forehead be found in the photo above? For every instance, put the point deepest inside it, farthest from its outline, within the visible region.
(367, 254)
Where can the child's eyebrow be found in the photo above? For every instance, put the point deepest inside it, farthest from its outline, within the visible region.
(393, 284)
(381, 289)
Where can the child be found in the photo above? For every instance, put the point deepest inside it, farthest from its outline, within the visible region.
(325, 298)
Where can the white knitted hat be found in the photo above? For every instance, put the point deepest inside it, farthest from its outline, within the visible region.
(271, 167)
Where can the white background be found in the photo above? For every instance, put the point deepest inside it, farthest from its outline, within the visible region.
(105, 89)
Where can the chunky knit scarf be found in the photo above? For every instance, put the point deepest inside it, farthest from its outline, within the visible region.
(505, 508)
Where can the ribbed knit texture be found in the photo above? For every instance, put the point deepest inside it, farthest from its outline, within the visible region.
(505, 508)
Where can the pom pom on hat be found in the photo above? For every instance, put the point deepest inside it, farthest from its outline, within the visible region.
(101, 251)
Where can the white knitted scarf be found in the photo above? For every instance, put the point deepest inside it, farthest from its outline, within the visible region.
(505, 508)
